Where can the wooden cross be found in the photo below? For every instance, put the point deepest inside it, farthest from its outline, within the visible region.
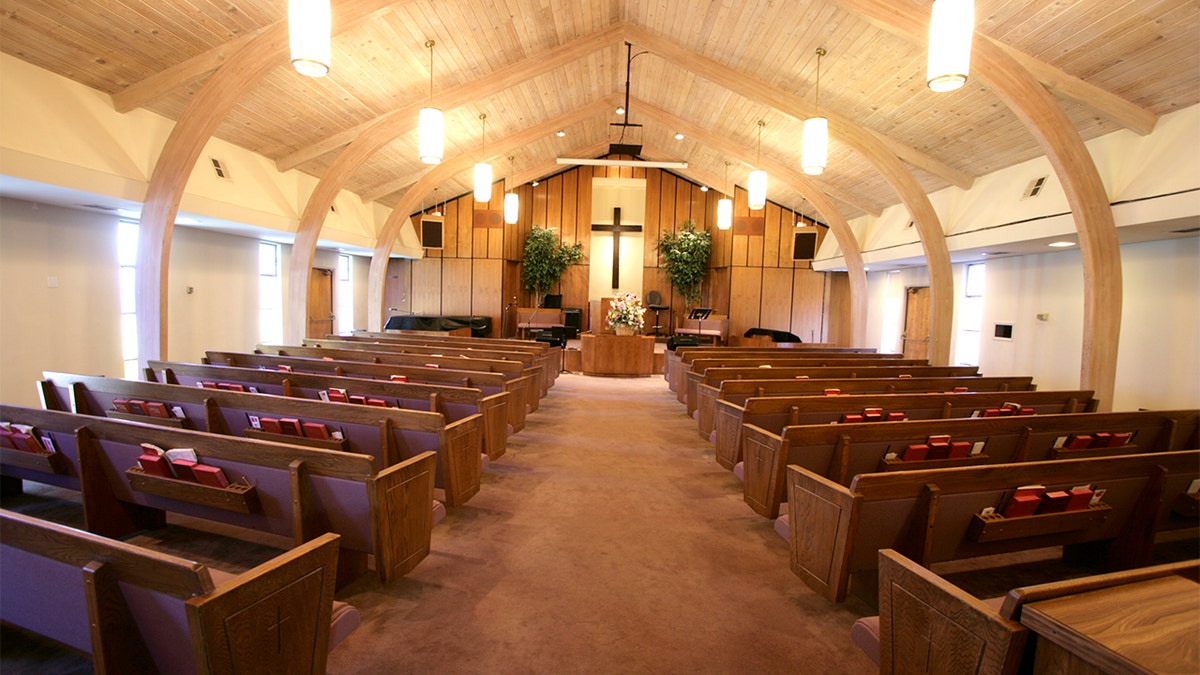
(616, 228)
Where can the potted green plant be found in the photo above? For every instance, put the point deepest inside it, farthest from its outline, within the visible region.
(546, 259)
(685, 258)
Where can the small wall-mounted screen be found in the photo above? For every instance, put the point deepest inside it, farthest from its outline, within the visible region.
(1004, 331)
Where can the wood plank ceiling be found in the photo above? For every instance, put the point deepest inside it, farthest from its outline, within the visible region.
(158, 53)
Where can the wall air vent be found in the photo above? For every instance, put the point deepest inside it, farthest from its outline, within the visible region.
(1186, 230)
(1035, 187)
(99, 207)
(219, 168)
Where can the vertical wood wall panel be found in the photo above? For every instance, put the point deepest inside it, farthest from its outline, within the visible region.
(808, 298)
(487, 298)
(583, 208)
(572, 228)
(744, 288)
(456, 286)
(772, 233)
(775, 306)
(427, 286)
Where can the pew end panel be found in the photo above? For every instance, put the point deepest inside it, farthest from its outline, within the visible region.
(401, 525)
(762, 486)
(461, 444)
(927, 624)
(823, 516)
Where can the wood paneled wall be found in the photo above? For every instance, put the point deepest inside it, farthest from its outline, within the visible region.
(752, 278)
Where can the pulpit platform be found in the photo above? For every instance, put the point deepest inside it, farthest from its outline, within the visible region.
(617, 355)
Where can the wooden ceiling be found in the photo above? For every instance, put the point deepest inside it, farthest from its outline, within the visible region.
(716, 68)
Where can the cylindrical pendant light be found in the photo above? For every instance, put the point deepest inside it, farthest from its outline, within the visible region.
(951, 28)
(483, 170)
(756, 186)
(725, 207)
(308, 35)
(814, 145)
(431, 128)
(512, 203)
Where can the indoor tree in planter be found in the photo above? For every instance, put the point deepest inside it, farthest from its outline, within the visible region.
(545, 261)
(685, 258)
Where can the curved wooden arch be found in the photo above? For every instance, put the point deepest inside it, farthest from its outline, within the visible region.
(1058, 138)
(195, 127)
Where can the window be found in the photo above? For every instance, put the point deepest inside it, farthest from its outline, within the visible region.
(270, 294)
(893, 314)
(127, 245)
(345, 295)
(970, 317)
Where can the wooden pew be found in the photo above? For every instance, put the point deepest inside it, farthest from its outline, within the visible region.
(531, 362)
(839, 452)
(388, 435)
(715, 376)
(135, 610)
(675, 359)
(550, 357)
(529, 378)
(933, 515)
(773, 413)
(298, 492)
(679, 365)
(455, 403)
(739, 391)
(488, 383)
(927, 624)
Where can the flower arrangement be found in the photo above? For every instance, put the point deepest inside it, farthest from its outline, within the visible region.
(626, 311)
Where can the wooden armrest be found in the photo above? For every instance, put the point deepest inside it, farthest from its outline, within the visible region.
(1018, 597)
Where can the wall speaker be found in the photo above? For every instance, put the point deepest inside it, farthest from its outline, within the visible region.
(431, 232)
(804, 244)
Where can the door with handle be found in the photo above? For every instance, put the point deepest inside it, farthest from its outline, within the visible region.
(916, 323)
(320, 303)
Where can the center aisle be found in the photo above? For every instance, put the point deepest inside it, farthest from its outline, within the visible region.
(607, 539)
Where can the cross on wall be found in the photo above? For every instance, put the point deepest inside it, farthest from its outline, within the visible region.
(616, 228)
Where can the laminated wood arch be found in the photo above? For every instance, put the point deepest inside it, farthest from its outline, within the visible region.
(266, 51)
(1044, 118)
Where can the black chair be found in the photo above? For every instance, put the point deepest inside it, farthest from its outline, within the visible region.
(654, 304)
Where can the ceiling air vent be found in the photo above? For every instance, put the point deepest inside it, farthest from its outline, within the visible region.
(219, 168)
(1035, 187)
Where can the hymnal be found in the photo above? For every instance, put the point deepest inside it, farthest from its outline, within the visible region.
(399, 378)
(832, 392)
(377, 402)
(958, 390)
(1054, 502)
(286, 369)
(270, 425)
(1101, 439)
(914, 452)
(1080, 497)
(939, 447)
(338, 395)
(896, 416)
(290, 426)
(183, 469)
(991, 412)
(1119, 439)
(157, 409)
(358, 399)
(315, 430)
(154, 461)
(210, 475)
(208, 385)
(873, 414)
(851, 418)
(137, 407)
(121, 405)
(959, 449)
(1025, 501)
(1078, 442)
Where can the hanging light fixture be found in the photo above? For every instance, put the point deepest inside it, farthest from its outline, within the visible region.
(308, 35)
(756, 187)
(815, 144)
(512, 203)
(725, 206)
(483, 170)
(431, 129)
(951, 27)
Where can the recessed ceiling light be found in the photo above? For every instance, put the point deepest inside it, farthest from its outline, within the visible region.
(1061, 244)
(679, 137)
(560, 133)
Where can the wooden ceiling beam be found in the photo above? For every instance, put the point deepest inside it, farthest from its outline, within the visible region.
(404, 119)
(785, 102)
(144, 91)
(1027, 97)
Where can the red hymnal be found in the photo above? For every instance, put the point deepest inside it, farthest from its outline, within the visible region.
(183, 469)
(6, 438)
(1025, 501)
(358, 399)
(209, 385)
(377, 402)
(915, 451)
(137, 407)
(315, 430)
(939, 447)
(873, 414)
(1080, 497)
(337, 395)
(121, 405)
(1119, 439)
(155, 465)
(1078, 442)
(1027, 411)
(959, 390)
(286, 369)
(896, 416)
(832, 392)
(432, 365)
(231, 386)
(851, 418)
(210, 475)
(157, 409)
(1101, 439)
(399, 378)
(1054, 502)
(959, 449)
(26, 442)
(270, 425)
(290, 426)
(991, 412)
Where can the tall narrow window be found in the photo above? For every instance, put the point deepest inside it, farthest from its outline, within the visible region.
(127, 244)
(893, 314)
(345, 295)
(970, 317)
(270, 294)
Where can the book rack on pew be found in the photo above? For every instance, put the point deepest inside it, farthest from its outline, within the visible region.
(339, 444)
(995, 527)
(173, 422)
(234, 497)
(45, 462)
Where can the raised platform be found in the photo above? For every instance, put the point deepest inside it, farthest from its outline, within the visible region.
(480, 326)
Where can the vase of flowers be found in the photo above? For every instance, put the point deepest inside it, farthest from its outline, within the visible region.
(625, 314)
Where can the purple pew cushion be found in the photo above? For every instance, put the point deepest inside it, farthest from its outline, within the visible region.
(783, 524)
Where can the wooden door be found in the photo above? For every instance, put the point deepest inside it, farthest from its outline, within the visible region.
(320, 302)
(916, 323)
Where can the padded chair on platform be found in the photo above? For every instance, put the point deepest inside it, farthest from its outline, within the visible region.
(654, 304)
